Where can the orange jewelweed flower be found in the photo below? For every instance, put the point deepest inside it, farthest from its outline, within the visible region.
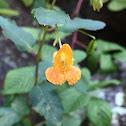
(63, 69)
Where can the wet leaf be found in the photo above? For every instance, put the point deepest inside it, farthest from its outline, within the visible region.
(21, 38)
(78, 23)
(46, 100)
(49, 17)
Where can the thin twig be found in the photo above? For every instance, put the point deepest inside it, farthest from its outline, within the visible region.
(81, 44)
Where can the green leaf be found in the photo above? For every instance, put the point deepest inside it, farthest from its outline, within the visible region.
(116, 5)
(99, 112)
(9, 117)
(82, 85)
(93, 60)
(94, 86)
(27, 3)
(9, 12)
(67, 121)
(21, 38)
(86, 73)
(73, 100)
(19, 105)
(4, 4)
(91, 47)
(37, 3)
(43, 66)
(49, 17)
(78, 23)
(20, 80)
(46, 100)
(79, 56)
(121, 56)
(106, 64)
(47, 51)
(106, 46)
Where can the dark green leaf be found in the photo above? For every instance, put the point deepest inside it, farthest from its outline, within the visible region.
(73, 100)
(106, 64)
(99, 112)
(49, 17)
(46, 100)
(38, 3)
(4, 4)
(19, 105)
(93, 60)
(21, 38)
(91, 47)
(94, 86)
(78, 55)
(106, 46)
(86, 73)
(9, 117)
(82, 85)
(121, 56)
(78, 23)
(20, 80)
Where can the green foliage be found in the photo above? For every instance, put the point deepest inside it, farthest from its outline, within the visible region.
(97, 4)
(4, 4)
(27, 3)
(103, 56)
(20, 106)
(78, 23)
(117, 5)
(99, 112)
(78, 56)
(73, 100)
(86, 73)
(94, 86)
(20, 80)
(21, 38)
(91, 47)
(46, 16)
(121, 56)
(46, 100)
(8, 117)
(37, 3)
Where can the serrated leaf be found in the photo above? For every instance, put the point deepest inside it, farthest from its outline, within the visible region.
(99, 112)
(103, 84)
(19, 105)
(9, 117)
(9, 12)
(78, 56)
(106, 64)
(49, 17)
(91, 47)
(45, 99)
(73, 100)
(67, 121)
(20, 80)
(21, 38)
(106, 46)
(121, 56)
(78, 23)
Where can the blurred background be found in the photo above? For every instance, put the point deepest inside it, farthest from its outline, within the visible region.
(113, 13)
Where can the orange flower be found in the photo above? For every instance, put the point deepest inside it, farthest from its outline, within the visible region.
(63, 68)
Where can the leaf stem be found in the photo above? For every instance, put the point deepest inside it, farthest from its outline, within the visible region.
(93, 37)
(40, 48)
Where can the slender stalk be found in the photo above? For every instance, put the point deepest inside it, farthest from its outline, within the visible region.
(40, 48)
(93, 37)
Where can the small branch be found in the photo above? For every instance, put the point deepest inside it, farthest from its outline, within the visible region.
(74, 39)
(51, 29)
(81, 44)
(40, 48)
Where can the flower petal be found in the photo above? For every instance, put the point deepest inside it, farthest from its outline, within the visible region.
(54, 76)
(74, 75)
(64, 58)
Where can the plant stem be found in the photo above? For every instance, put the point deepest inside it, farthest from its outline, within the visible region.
(40, 48)
(93, 37)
